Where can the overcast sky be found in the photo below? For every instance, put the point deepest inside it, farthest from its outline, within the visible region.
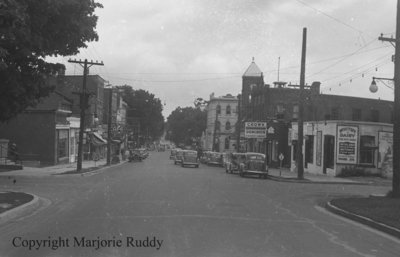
(183, 49)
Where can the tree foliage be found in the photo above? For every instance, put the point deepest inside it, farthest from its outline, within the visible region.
(144, 110)
(32, 30)
(186, 125)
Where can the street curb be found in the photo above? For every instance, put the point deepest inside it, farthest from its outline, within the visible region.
(89, 173)
(17, 211)
(307, 181)
(364, 220)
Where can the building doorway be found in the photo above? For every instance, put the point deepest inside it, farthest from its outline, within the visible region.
(329, 152)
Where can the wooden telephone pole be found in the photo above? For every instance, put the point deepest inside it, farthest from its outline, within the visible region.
(299, 153)
(396, 110)
(84, 104)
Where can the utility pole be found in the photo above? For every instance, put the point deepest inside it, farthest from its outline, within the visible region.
(299, 154)
(396, 111)
(84, 104)
(238, 124)
(109, 121)
(215, 128)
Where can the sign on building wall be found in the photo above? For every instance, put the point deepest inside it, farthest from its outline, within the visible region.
(255, 130)
(319, 148)
(346, 144)
(385, 160)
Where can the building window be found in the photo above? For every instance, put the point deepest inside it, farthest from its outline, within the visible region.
(227, 143)
(227, 125)
(367, 150)
(295, 112)
(62, 143)
(218, 109)
(356, 114)
(218, 125)
(335, 113)
(228, 110)
(374, 115)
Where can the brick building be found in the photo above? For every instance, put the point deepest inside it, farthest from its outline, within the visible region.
(278, 105)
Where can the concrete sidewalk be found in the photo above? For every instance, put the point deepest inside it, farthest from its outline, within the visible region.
(285, 175)
(56, 169)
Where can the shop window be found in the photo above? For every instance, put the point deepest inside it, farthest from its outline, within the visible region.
(367, 150)
(356, 114)
(62, 143)
(228, 110)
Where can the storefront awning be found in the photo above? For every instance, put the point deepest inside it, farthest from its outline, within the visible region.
(97, 139)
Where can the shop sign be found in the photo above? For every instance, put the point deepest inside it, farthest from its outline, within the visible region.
(346, 144)
(255, 130)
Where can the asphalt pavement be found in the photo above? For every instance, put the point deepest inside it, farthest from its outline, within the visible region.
(192, 212)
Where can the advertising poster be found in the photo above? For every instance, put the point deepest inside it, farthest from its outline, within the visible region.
(385, 161)
(347, 144)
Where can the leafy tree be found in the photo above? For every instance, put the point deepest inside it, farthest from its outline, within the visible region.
(145, 109)
(185, 125)
(32, 30)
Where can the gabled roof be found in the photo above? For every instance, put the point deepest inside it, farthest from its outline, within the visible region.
(253, 70)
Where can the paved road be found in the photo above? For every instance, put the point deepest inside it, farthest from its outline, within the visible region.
(155, 208)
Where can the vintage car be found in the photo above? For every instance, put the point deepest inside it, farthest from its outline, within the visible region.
(254, 164)
(190, 158)
(204, 157)
(173, 153)
(138, 154)
(234, 161)
(178, 156)
(215, 158)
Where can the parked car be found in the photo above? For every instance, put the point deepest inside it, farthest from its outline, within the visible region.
(173, 153)
(254, 164)
(234, 161)
(204, 157)
(178, 156)
(189, 157)
(215, 158)
(138, 154)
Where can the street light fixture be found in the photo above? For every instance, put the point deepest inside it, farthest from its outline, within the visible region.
(373, 88)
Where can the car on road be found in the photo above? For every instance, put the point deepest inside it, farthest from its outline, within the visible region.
(178, 156)
(189, 157)
(173, 153)
(215, 159)
(234, 161)
(138, 154)
(254, 164)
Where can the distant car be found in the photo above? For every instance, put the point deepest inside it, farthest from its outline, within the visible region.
(234, 161)
(138, 154)
(204, 157)
(173, 153)
(178, 156)
(254, 164)
(215, 158)
(189, 157)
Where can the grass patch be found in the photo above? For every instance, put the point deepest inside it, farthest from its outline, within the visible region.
(9, 200)
(382, 209)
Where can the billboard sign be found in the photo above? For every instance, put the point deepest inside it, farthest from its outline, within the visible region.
(347, 144)
(255, 130)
